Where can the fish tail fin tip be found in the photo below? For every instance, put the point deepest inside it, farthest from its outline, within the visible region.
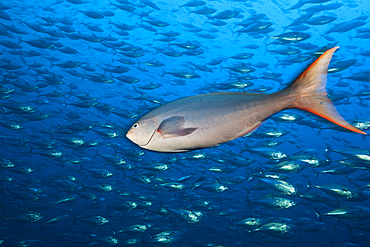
(312, 96)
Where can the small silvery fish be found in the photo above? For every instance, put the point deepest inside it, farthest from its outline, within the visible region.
(206, 120)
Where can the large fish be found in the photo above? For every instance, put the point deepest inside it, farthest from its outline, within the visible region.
(206, 120)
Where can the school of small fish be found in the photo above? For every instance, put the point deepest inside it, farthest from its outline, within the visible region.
(210, 86)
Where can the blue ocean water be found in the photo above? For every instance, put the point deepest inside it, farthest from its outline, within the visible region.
(77, 74)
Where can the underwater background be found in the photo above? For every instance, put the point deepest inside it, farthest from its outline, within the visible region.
(77, 74)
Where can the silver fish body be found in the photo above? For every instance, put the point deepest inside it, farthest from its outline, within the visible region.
(210, 119)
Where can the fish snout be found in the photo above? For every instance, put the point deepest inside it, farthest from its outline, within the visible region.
(129, 136)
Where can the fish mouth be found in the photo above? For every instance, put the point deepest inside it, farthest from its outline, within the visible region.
(129, 136)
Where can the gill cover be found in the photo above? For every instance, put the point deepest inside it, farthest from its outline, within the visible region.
(144, 132)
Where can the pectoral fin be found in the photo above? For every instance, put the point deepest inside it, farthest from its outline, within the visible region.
(174, 127)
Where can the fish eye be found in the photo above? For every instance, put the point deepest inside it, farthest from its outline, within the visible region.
(135, 125)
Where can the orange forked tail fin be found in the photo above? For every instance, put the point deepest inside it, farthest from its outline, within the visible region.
(311, 93)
